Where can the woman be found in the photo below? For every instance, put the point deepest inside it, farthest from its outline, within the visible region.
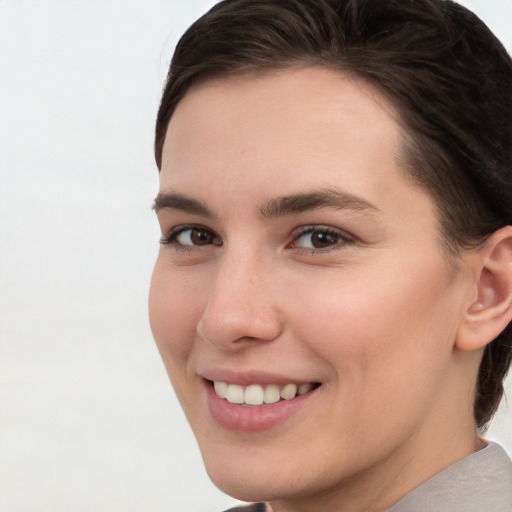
(333, 292)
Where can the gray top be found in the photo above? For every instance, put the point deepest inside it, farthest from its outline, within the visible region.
(481, 482)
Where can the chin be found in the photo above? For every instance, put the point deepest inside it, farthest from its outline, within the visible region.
(266, 474)
(250, 478)
(244, 485)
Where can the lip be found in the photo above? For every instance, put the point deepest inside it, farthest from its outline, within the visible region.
(253, 419)
(249, 377)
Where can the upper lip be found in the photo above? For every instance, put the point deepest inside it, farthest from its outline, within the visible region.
(248, 377)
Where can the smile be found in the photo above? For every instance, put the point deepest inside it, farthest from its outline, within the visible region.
(256, 395)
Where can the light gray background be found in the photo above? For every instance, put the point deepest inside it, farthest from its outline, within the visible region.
(88, 421)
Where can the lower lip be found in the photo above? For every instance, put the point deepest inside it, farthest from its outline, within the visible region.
(253, 419)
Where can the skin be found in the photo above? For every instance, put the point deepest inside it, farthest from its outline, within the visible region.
(374, 315)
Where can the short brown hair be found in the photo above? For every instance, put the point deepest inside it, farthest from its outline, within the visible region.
(439, 64)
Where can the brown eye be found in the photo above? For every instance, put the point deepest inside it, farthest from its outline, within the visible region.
(320, 238)
(195, 237)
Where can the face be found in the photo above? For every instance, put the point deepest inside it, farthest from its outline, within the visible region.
(301, 300)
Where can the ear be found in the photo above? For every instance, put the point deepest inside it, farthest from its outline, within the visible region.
(491, 312)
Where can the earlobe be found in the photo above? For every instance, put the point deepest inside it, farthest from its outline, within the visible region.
(491, 312)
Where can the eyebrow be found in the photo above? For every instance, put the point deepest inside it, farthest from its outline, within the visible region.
(325, 198)
(176, 201)
(276, 207)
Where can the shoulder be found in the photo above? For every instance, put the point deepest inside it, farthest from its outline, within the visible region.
(255, 507)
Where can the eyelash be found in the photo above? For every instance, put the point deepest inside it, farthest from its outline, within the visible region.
(171, 237)
(343, 238)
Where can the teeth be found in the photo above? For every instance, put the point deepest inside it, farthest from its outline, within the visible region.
(258, 395)
(304, 388)
(221, 388)
(289, 391)
(235, 394)
(253, 395)
(272, 394)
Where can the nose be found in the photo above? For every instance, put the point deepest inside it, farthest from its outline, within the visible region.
(241, 306)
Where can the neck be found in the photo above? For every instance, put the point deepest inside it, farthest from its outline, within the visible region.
(378, 489)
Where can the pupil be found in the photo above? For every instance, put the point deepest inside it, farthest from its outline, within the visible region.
(200, 237)
(322, 239)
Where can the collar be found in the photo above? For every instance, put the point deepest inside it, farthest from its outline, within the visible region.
(480, 482)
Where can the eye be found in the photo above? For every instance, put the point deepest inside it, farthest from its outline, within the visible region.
(191, 236)
(320, 237)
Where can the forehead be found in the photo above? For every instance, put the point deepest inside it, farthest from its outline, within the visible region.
(292, 98)
(281, 133)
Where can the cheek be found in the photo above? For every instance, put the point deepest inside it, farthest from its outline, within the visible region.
(384, 334)
(173, 317)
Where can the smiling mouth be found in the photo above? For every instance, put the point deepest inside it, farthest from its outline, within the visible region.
(256, 395)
